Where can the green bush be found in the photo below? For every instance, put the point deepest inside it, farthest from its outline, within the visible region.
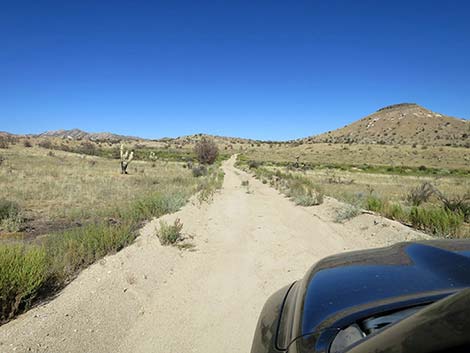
(22, 273)
(170, 234)
(394, 211)
(198, 171)
(71, 250)
(8, 208)
(10, 216)
(438, 221)
(374, 204)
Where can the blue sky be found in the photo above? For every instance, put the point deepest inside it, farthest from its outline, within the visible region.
(260, 69)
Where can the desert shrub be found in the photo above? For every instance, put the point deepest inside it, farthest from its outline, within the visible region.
(22, 273)
(45, 144)
(206, 151)
(170, 234)
(458, 203)
(88, 148)
(10, 216)
(302, 192)
(8, 208)
(73, 249)
(199, 170)
(4, 142)
(374, 203)
(27, 143)
(208, 185)
(309, 199)
(420, 194)
(436, 220)
(347, 212)
(253, 164)
(394, 211)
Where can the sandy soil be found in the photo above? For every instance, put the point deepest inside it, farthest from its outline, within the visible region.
(249, 242)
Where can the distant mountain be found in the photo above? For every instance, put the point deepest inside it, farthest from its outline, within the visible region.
(405, 123)
(189, 139)
(77, 134)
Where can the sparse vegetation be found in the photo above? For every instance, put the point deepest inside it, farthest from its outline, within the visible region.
(421, 193)
(346, 213)
(298, 188)
(23, 271)
(10, 216)
(170, 234)
(82, 209)
(206, 151)
(436, 220)
(440, 204)
(199, 170)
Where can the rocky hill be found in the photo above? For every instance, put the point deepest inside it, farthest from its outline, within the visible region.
(77, 134)
(405, 123)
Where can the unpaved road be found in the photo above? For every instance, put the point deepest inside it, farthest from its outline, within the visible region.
(147, 298)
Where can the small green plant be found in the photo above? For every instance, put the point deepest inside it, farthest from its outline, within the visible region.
(199, 171)
(393, 210)
(308, 199)
(346, 213)
(11, 219)
(23, 270)
(374, 203)
(170, 234)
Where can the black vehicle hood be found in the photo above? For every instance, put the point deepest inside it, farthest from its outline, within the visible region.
(406, 274)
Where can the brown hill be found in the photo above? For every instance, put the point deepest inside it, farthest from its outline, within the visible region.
(77, 134)
(405, 123)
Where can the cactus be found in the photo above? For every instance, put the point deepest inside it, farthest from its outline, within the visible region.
(126, 158)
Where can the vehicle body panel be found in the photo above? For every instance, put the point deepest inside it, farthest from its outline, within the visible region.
(342, 289)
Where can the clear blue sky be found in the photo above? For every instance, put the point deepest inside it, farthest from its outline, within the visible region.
(259, 69)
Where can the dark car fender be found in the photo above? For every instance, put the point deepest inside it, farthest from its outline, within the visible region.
(265, 339)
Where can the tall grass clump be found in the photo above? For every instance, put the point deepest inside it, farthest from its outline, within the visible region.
(436, 220)
(170, 234)
(23, 270)
(74, 249)
(210, 184)
(10, 216)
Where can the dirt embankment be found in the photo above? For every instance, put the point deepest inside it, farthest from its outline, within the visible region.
(249, 242)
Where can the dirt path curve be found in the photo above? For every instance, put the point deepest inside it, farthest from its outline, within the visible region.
(149, 298)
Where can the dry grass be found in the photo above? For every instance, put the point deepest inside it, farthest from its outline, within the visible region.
(68, 188)
(443, 157)
(387, 194)
(90, 210)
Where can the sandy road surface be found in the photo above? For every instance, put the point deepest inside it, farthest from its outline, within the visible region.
(149, 298)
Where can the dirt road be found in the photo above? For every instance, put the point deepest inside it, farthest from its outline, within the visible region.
(249, 242)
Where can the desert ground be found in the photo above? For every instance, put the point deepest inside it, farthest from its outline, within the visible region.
(248, 242)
